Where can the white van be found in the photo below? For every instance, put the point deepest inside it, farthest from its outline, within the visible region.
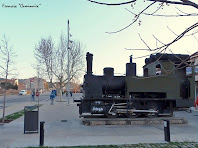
(22, 92)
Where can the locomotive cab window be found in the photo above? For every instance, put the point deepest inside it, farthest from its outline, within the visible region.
(146, 72)
(158, 69)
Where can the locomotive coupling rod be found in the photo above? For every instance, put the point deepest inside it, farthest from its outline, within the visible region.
(144, 111)
(138, 111)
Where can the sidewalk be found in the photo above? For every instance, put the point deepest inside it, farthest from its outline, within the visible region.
(63, 127)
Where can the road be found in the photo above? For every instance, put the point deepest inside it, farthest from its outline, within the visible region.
(17, 99)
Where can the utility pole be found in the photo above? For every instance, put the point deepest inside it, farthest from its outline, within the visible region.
(68, 48)
(38, 84)
(30, 90)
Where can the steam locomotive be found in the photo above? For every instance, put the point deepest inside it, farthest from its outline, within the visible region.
(164, 87)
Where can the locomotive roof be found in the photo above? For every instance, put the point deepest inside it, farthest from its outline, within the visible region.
(166, 57)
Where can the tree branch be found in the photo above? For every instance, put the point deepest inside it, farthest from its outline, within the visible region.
(184, 2)
(136, 18)
(175, 40)
(112, 4)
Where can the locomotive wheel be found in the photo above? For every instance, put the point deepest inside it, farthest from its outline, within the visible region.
(112, 116)
(152, 115)
(132, 115)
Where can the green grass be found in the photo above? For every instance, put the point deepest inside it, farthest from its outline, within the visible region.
(141, 145)
(16, 115)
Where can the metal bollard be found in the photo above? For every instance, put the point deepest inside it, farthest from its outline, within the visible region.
(167, 130)
(42, 133)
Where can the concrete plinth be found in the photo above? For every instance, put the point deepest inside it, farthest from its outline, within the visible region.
(130, 121)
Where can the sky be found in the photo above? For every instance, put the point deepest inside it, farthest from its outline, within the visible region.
(89, 23)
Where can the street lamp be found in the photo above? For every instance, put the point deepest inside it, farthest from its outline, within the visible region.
(68, 84)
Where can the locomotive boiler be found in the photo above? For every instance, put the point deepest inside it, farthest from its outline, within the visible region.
(164, 87)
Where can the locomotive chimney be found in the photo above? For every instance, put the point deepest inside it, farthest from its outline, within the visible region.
(89, 59)
(131, 68)
(131, 58)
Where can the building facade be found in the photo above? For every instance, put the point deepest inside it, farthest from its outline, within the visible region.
(33, 84)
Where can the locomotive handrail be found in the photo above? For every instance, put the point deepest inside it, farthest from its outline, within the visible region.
(120, 104)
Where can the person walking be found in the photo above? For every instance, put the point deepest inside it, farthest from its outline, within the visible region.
(71, 93)
(33, 94)
(52, 96)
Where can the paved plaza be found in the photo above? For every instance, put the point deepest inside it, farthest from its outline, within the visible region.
(63, 127)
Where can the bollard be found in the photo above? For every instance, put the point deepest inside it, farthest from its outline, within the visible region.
(42, 133)
(167, 130)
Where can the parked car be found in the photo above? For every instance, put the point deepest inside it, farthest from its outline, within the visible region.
(22, 92)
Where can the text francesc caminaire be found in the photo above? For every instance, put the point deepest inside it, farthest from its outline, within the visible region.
(21, 5)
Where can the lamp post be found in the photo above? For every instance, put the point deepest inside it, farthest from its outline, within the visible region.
(68, 84)
(31, 80)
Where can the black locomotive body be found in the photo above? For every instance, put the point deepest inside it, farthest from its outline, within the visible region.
(163, 87)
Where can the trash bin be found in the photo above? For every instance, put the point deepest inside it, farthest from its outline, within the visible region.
(30, 119)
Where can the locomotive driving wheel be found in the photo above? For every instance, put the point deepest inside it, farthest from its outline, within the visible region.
(112, 115)
(152, 115)
(132, 115)
(153, 106)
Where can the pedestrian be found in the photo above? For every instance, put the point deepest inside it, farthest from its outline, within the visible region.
(71, 93)
(196, 103)
(33, 94)
(55, 92)
(52, 96)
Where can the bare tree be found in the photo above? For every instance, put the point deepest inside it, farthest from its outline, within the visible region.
(53, 60)
(176, 2)
(39, 80)
(150, 12)
(7, 55)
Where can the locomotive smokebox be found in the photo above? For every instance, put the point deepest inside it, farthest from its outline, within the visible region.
(108, 72)
(131, 68)
(89, 59)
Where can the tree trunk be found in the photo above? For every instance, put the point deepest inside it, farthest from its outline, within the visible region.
(4, 100)
(61, 96)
